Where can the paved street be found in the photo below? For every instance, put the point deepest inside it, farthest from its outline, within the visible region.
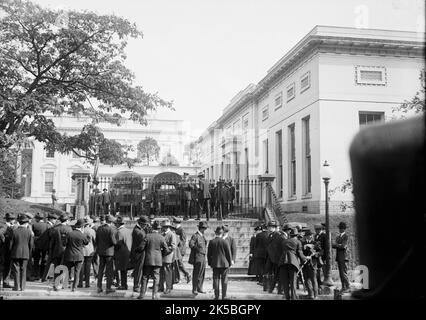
(238, 289)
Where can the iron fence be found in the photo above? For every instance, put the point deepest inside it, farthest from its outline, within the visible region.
(135, 196)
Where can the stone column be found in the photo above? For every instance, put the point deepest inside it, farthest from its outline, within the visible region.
(82, 178)
(266, 196)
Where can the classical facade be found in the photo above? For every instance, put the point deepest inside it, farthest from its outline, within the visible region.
(307, 109)
(44, 171)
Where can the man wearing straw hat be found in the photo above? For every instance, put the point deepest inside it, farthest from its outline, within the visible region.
(122, 252)
(88, 252)
(166, 272)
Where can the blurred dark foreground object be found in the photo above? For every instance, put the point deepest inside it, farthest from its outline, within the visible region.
(388, 169)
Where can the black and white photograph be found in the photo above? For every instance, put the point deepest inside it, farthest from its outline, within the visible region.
(235, 151)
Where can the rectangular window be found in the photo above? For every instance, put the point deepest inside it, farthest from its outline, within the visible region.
(245, 122)
(278, 100)
(265, 113)
(305, 81)
(48, 181)
(73, 186)
(307, 179)
(279, 148)
(50, 154)
(292, 160)
(370, 75)
(291, 93)
(366, 117)
(265, 156)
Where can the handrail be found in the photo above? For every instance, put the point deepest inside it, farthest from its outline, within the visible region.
(276, 208)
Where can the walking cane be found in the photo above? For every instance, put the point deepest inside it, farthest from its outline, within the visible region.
(301, 273)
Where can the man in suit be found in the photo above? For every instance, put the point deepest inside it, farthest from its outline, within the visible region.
(231, 196)
(73, 256)
(45, 241)
(260, 253)
(21, 245)
(197, 258)
(39, 253)
(273, 251)
(106, 200)
(137, 254)
(58, 238)
(122, 252)
(186, 187)
(205, 191)
(219, 257)
(342, 256)
(320, 240)
(231, 241)
(7, 261)
(155, 247)
(289, 264)
(311, 249)
(181, 248)
(88, 252)
(105, 242)
(166, 271)
(95, 260)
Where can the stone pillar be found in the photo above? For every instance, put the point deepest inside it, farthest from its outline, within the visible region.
(82, 178)
(266, 196)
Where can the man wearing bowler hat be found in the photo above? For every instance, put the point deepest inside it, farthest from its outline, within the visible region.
(122, 252)
(219, 257)
(21, 245)
(58, 242)
(45, 243)
(342, 255)
(105, 242)
(309, 270)
(7, 261)
(155, 247)
(205, 190)
(166, 272)
(320, 240)
(197, 258)
(74, 256)
(137, 252)
(39, 253)
(181, 250)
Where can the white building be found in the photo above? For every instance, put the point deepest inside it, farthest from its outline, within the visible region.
(308, 108)
(45, 171)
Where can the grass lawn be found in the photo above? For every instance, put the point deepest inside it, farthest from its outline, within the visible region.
(20, 206)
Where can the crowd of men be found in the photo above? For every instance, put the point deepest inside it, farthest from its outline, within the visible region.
(106, 248)
(191, 199)
(282, 258)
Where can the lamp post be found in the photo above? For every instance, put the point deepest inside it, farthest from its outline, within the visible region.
(326, 176)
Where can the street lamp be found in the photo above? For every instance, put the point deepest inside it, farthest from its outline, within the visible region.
(326, 174)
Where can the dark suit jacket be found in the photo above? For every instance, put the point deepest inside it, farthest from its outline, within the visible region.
(321, 242)
(233, 246)
(58, 239)
(105, 240)
(260, 245)
(341, 247)
(39, 228)
(274, 247)
(181, 235)
(122, 248)
(219, 253)
(155, 246)
(21, 243)
(252, 244)
(198, 245)
(291, 252)
(76, 240)
(136, 252)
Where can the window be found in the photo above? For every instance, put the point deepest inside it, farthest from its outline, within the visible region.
(292, 160)
(291, 92)
(48, 181)
(237, 167)
(279, 148)
(73, 186)
(50, 154)
(305, 81)
(265, 113)
(366, 75)
(366, 117)
(245, 122)
(265, 156)
(307, 178)
(278, 100)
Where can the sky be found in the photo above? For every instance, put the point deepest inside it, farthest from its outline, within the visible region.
(201, 53)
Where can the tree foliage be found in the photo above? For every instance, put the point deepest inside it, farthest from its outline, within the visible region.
(417, 104)
(9, 188)
(75, 68)
(169, 160)
(148, 150)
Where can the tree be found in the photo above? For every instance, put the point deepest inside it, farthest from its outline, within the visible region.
(8, 168)
(169, 161)
(417, 104)
(65, 63)
(148, 149)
